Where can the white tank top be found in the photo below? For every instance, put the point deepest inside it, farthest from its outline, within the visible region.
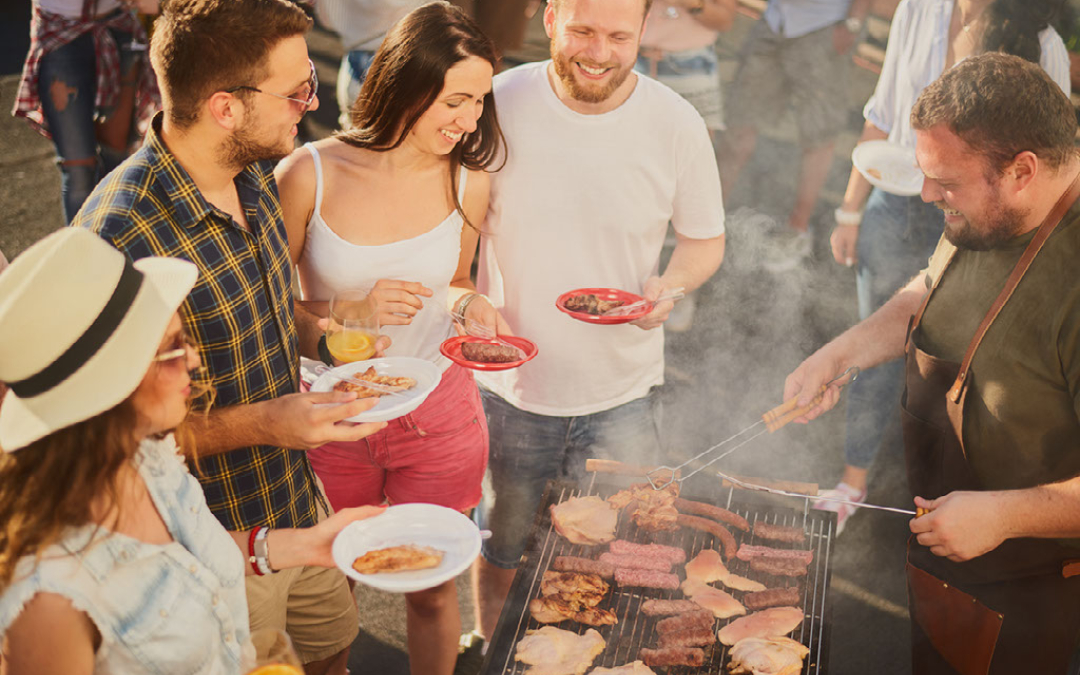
(330, 263)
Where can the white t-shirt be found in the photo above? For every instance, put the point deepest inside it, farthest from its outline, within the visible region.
(584, 201)
(362, 24)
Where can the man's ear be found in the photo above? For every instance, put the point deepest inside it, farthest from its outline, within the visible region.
(1023, 170)
(549, 19)
(225, 109)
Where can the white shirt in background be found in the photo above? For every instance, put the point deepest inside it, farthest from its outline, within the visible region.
(362, 24)
(915, 57)
(584, 201)
(73, 9)
(795, 18)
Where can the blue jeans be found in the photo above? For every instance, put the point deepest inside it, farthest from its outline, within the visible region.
(528, 449)
(897, 237)
(67, 87)
(351, 76)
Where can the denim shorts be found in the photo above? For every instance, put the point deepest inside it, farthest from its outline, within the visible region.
(528, 449)
(693, 74)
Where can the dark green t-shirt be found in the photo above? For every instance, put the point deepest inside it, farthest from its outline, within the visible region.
(1022, 414)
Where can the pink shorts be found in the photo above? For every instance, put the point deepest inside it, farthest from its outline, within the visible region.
(436, 454)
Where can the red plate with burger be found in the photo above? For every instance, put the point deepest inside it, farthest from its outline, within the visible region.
(480, 354)
(588, 305)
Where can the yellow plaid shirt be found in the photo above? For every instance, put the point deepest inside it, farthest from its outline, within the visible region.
(240, 313)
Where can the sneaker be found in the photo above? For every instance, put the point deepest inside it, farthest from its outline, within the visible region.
(842, 511)
(470, 654)
(681, 318)
(784, 252)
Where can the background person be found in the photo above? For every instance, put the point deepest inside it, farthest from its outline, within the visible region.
(898, 234)
(396, 203)
(236, 79)
(110, 560)
(991, 418)
(599, 161)
(87, 85)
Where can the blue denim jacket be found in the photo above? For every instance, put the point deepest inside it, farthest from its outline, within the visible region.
(176, 608)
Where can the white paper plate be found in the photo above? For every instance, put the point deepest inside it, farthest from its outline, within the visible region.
(421, 524)
(889, 166)
(426, 374)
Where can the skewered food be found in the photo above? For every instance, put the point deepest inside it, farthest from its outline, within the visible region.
(585, 520)
(699, 618)
(707, 567)
(673, 656)
(553, 651)
(749, 552)
(721, 604)
(656, 607)
(772, 597)
(781, 533)
(490, 352)
(695, 636)
(590, 304)
(637, 562)
(772, 622)
(622, 547)
(767, 656)
(781, 567)
(398, 559)
(634, 668)
(569, 563)
(714, 512)
(369, 375)
(645, 578)
(727, 540)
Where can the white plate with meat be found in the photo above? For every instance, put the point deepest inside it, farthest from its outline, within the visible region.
(437, 530)
(889, 166)
(414, 379)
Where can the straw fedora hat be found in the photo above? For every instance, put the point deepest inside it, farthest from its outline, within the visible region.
(79, 325)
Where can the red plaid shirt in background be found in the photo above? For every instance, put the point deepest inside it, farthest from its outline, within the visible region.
(49, 32)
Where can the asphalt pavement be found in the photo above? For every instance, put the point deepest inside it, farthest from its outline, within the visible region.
(751, 328)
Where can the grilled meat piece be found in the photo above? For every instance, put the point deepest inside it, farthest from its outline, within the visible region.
(767, 656)
(688, 637)
(636, 562)
(714, 512)
(369, 375)
(655, 607)
(781, 533)
(772, 597)
(727, 540)
(749, 552)
(646, 579)
(721, 604)
(590, 304)
(553, 651)
(700, 618)
(652, 510)
(676, 556)
(772, 622)
(585, 520)
(490, 352)
(707, 567)
(780, 567)
(673, 656)
(398, 559)
(568, 563)
(634, 668)
(560, 607)
(589, 587)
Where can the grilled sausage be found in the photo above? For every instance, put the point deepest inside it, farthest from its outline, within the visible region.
(749, 552)
(676, 556)
(781, 533)
(673, 656)
(781, 567)
(714, 512)
(772, 597)
(700, 618)
(690, 637)
(716, 529)
(637, 562)
(566, 563)
(489, 352)
(646, 579)
(668, 607)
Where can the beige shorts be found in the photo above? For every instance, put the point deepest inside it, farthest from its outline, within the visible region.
(312, 604)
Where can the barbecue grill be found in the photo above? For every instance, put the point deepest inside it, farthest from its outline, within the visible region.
(636, 630)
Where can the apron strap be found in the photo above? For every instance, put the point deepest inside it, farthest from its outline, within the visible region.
(1034, 246)
(917, 319)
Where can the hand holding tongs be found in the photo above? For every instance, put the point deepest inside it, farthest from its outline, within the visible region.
(918, 513)
(623, 310)
(477, 329)
(780, 416)
(382, 389)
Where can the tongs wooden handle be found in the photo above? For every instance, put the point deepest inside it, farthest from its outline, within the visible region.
(789, 410)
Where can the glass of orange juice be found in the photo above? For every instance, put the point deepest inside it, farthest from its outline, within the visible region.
(353, 325)
(274, 654)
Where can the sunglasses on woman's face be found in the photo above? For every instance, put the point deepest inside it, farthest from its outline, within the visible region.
(177, 354)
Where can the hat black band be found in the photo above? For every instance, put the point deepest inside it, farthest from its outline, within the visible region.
(89, 342)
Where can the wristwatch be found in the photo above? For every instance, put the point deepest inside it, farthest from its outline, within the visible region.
(853, 24)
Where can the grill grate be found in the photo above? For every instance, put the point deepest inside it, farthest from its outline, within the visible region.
(636, 630)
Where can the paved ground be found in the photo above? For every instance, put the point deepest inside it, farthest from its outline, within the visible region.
(751, 329)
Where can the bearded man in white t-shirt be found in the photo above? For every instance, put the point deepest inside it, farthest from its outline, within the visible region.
(599, 160)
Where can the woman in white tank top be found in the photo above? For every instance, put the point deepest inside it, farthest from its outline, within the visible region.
(396, 204)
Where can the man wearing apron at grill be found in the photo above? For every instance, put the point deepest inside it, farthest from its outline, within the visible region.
(991, 412)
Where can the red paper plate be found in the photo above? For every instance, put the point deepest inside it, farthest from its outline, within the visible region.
(603, 294)
(451, 349)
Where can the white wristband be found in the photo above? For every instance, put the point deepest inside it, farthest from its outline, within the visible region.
(849, 218)
(262, 551)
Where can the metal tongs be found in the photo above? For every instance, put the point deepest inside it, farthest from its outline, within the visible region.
(623, 310)
(477, 329)
(663, 476)
(919, 512)
(382, 389)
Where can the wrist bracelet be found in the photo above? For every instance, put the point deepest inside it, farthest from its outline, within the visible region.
(262, 551)
(252, 560)
(849, 218)
(464, 303)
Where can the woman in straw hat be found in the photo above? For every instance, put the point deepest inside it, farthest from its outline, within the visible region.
(107, 548)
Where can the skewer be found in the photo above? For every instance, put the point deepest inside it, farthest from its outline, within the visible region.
(773, 420)
(918, 513)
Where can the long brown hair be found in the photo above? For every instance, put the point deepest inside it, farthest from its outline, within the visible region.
(407, 74)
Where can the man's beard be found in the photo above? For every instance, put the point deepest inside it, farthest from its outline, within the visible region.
(243, 148)
(587, 94)
(1000, 225)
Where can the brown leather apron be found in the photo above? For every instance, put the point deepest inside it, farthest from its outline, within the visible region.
(1000, 612)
